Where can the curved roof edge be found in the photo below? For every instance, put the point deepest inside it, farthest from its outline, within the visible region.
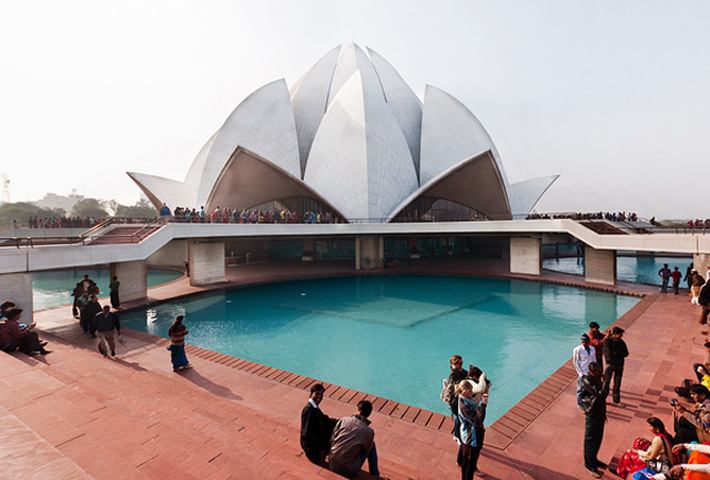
(496, 183)
(161, 190)
(198, 164)
(525, 195)
(262, 123)
(450, 133)
(262, 179)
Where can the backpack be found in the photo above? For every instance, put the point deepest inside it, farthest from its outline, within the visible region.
(447, 393)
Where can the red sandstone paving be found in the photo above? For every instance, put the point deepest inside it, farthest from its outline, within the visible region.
(228, 423)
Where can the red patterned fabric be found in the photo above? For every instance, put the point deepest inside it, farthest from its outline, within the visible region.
(630, 461)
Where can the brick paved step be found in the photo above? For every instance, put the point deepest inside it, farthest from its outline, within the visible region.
(149, 425)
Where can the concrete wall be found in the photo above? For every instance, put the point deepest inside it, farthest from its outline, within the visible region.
(701, 261)
(17, 288)
(368, 247)
(599, 265)
(526, 255)
(173, 254)
(206, 263)
(133, 277)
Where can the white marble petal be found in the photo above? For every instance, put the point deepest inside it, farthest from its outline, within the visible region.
(309, 97)
(405, 104)
(353, 59)
(450, 134)
(523, 196)
(161, 190)
(263, 124)
(360, 160)
(198, 164)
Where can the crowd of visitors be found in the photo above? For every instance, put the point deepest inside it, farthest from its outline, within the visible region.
(665, 456)
(611, 216)
(227, 215)
(62, 222)
(699, 223)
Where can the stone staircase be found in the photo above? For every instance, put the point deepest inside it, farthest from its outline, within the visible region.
(125, 234)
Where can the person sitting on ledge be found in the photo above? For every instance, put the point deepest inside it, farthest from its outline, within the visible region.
(13, 336)
(316, 427)
(353, 442)
(697, 462)
(692, 426)
(659, 452)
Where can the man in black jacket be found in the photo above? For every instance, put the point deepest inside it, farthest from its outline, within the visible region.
(615, 351)
(316, 427)
(594, 393)
(88, 313)
(704, 301)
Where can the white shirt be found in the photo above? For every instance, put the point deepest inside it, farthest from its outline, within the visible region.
(312, 402)
(697, 467)
(581, 359)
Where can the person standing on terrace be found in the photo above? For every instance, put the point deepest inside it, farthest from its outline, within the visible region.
(596, 340)
(676, 276)
(615, 351)
(177, 332)
(704, 301)
(113, 287)
(689, 275)
(594, 393)
(582, 356)
(165, 211)
(665, 274)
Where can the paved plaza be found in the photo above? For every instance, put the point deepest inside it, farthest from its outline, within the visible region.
(74, 414)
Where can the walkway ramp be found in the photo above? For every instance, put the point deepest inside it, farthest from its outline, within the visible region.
(119, 234)
(602, 227)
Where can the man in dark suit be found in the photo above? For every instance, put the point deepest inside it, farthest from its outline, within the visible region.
(594, 393)
(316, 427)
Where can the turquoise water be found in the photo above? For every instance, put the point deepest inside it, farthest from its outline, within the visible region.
(628, 269)
(51, 289)
(392, 336)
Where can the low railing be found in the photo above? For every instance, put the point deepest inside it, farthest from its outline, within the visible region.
(149, 226)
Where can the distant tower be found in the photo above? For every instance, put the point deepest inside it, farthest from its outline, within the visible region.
(5, 188)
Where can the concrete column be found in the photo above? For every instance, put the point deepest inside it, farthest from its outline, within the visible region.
(309, 245)
(526, 255)
(368, 247)
(701, 262)
(173, 254)
(133, 277)
(17, 288)
(599, 265)
(357, 253)
(206, 262)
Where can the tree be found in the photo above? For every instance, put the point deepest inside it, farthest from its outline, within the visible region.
(89, 207)
(142, 209)
(22, 211)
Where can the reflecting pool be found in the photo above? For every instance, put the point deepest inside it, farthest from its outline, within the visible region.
(51, 289)
(392, 336)
(628, 269)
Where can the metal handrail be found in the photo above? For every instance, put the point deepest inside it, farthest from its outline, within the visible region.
(162, 221)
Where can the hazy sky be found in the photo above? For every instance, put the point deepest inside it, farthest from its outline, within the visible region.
(613, 95)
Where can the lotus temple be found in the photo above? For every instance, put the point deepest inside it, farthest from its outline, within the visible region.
(351, 137)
